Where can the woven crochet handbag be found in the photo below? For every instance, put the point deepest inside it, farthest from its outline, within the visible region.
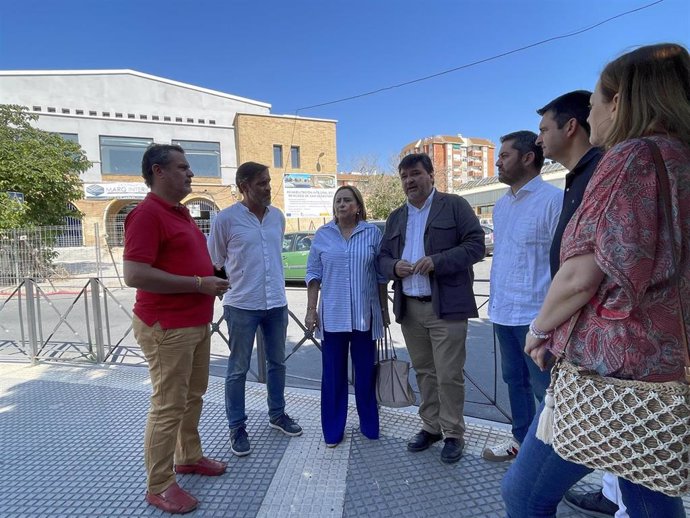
(636, 430)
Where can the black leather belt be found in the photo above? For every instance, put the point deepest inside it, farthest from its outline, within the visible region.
(420, 299)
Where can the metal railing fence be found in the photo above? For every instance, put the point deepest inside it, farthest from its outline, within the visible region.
(91, 323)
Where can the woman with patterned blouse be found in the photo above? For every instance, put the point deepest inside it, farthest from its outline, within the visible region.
(352, 312)
(617, 266)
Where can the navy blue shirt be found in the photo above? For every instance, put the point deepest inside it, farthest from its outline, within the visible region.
(575, 184)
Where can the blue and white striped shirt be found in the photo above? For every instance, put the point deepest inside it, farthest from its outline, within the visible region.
(349, 280)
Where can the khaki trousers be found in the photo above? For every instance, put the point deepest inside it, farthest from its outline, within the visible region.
(178, 364)
(437, 351)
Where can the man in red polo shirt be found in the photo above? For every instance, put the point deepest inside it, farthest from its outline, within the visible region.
(166, 259)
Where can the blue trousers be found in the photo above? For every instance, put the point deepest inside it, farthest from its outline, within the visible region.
(539, 477)
(524, 379)
(334, 384)
(242, 326)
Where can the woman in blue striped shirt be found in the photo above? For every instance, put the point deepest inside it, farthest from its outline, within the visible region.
(351, 314)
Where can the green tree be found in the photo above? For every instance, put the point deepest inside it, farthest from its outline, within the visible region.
(382, 194)
(41, 165)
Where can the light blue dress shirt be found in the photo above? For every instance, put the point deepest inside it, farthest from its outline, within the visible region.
(349, 280)
(251, 252)
(524, 225)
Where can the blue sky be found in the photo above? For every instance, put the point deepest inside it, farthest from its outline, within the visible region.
(304, 52)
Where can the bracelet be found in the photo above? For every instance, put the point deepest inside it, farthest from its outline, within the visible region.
(538, 333)
(197, 279)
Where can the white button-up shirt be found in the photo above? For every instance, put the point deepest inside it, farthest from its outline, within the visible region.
(524, 225)
(251, 251)
(416, 285)
(349, 281)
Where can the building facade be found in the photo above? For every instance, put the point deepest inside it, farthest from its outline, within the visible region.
(483, 194)
(457, 159)
(115, 114)
(301, 154)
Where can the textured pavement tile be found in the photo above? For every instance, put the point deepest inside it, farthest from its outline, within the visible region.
(71, 446)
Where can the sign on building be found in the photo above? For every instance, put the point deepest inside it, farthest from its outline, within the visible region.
(115, 190)
(309, 195)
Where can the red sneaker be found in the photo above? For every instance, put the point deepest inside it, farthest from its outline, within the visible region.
(204, 466)
(174, 500)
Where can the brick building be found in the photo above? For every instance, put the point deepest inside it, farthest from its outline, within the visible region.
(456, 159)
(301, 153)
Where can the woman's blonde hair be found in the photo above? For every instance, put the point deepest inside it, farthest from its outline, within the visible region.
(653, 87)
(362, 214)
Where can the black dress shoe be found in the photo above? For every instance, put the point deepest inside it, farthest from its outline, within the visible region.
(591, 504)
(452, 450)
(422, 440)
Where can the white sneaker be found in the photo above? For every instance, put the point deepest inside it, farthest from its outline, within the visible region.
(506, 450)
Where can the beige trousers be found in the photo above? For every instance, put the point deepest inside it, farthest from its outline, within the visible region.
(178, 364)
(437, 351)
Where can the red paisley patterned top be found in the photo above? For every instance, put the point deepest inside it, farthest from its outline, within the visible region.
(630, 328)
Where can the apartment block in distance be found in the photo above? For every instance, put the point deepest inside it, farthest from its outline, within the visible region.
(456, 159)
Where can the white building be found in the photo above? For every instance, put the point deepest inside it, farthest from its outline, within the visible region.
(115, 114)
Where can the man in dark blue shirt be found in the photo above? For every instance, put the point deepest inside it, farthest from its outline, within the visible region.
(564, 138)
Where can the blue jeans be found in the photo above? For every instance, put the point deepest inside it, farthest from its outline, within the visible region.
(524, 379)
(242, 327)
(334, 384)
(539, 477)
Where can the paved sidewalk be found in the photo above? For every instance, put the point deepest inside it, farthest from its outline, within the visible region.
(70, 440)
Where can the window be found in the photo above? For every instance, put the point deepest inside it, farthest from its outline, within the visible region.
(294, 157)
(277, 156)
(304, 243)
(72, 137)
(287, 242)
(203, 157)
(122, 155)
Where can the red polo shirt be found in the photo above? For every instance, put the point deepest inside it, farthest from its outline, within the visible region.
(167, 238)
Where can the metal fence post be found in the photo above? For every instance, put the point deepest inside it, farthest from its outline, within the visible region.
(98, 250)
(260, 356)
(97, 318)
(31, 320)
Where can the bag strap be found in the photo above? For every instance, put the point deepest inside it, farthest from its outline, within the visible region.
(384, 346)
(664, 194)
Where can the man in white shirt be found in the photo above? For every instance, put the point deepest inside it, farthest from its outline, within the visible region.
(525, 220)
(247, 239)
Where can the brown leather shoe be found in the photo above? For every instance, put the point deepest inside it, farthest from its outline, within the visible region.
(174, 500)
(204, 466)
